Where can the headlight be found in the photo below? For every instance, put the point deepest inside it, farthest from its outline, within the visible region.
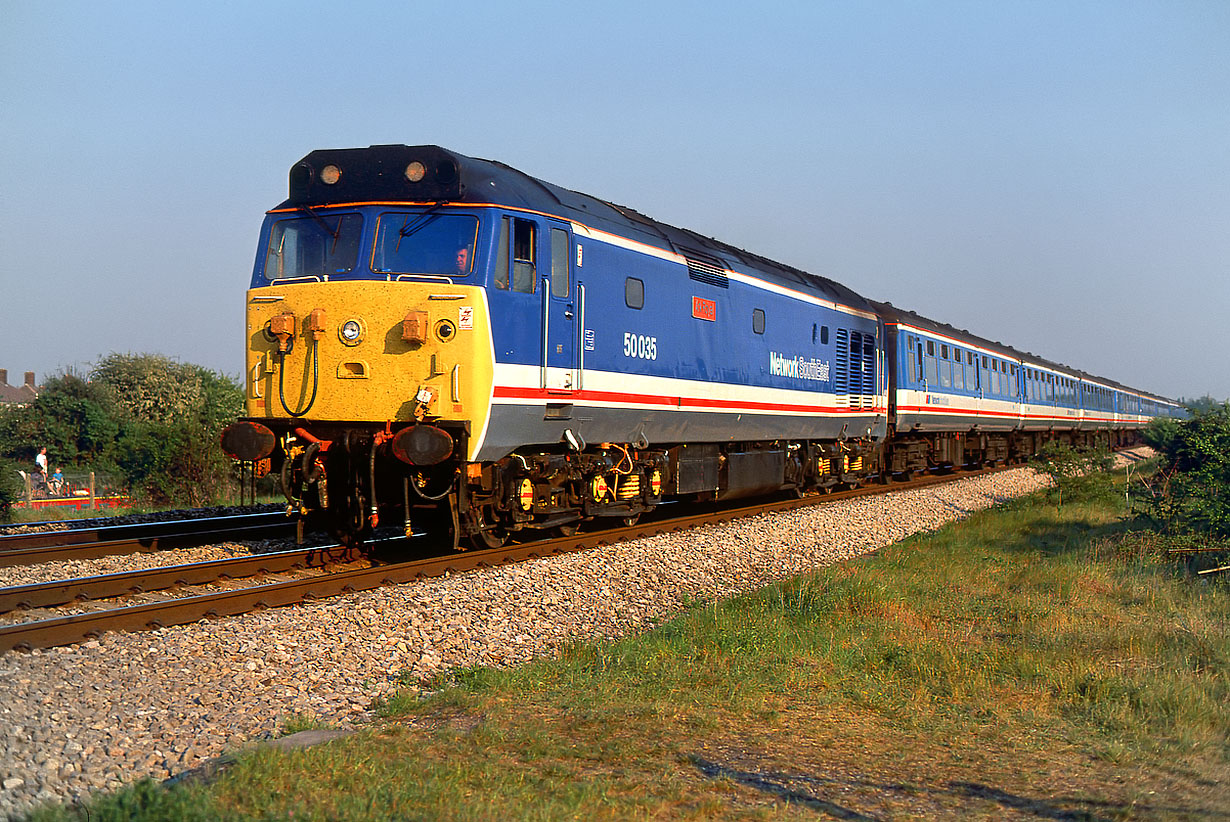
(330, 174)
(351, 332)
(416, 171)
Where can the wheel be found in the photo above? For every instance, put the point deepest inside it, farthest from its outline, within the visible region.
(567, 529)
(492, 534)
(631, 521)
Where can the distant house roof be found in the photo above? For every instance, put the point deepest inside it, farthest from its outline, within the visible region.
(17, 394)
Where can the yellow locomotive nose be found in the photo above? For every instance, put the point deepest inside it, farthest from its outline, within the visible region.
(370, 352)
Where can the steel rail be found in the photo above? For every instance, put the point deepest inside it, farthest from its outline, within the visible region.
(71, 629)
(135, 531)
(125, 583)
(47, 549)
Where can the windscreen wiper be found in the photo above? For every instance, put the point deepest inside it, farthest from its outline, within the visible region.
(333, 232)
(421, 221)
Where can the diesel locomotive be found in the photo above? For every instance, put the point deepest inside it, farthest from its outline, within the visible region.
(442, 340)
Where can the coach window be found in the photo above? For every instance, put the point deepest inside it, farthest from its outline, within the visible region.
(757, 320)
(918, 357)
(909, 360)
(824, 335)
(958, 370)
(945, 368)
(933, 373)
(634, 293)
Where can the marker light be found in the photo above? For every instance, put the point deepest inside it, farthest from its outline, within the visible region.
(330, 174)
(415, 171)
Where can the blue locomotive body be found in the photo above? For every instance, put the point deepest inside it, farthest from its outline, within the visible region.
(647, 343)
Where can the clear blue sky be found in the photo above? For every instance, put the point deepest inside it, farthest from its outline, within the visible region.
(1055, 175)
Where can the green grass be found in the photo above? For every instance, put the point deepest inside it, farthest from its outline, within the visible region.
(1021, 656)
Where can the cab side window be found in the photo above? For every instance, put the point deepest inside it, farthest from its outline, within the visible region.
(524, 273)
(560, 285)
(500, 280)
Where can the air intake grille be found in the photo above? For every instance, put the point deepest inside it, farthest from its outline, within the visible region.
(841, 367)
(707, 272)
(854, 369)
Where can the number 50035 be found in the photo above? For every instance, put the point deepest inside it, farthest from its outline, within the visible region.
(644, 348)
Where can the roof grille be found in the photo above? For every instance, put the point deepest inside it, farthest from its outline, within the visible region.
(706, 271)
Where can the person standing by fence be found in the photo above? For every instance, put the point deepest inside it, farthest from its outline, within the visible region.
(40, 462)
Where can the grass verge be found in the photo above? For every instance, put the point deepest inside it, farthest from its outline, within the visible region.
(1024, 663)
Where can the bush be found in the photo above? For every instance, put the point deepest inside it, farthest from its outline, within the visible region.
(1192, 491)
(1076, 473)
(177, 463)
(12, 489)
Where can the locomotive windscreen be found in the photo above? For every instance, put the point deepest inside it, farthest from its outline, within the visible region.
(425, 243)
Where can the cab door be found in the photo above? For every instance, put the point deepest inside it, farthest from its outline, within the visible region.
(560, 313)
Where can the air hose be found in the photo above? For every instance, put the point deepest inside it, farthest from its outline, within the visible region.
(315, 381)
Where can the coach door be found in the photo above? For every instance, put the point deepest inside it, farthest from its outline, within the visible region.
(560, 315)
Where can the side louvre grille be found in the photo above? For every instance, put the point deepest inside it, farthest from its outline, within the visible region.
(841, 368)
(867, 367)
(707, 272)
(854, 369)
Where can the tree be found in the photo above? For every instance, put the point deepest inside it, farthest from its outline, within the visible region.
(150, 387)
(154, 419)
(73, 418)
(1200, 405)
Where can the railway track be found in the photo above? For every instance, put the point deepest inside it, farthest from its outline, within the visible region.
(66, 630)
(112, 540)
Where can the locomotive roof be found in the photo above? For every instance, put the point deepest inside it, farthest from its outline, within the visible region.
(379, 174)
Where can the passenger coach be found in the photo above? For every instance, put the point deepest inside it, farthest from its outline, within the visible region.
(960, 399)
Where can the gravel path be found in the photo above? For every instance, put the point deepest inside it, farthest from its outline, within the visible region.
(108, 711)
